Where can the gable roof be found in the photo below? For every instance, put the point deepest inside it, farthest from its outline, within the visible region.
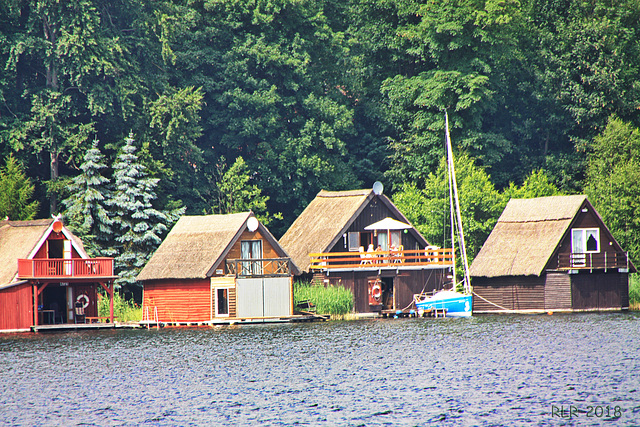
(326, 219)
(21, 240)
(196, 245)
(526, 236)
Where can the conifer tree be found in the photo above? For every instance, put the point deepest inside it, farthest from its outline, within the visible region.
(86, 208)
(138, 226)
(16, 190)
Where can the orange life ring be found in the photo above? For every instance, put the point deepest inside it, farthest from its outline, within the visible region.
(84, 297)
(376, 291)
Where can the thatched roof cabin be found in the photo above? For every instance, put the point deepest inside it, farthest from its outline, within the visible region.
(196, 246)
(325, 220)
(537, 258)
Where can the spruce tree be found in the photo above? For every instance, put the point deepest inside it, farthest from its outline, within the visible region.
(138, 226)
(86, 208)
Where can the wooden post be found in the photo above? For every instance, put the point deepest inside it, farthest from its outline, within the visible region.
(111, 304)
(35, 304)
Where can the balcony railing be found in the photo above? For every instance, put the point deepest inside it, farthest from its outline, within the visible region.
(381, 259)
(593, 261)
(65, 268)
(259, 267)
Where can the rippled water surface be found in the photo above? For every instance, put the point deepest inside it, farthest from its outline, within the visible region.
(494, 370)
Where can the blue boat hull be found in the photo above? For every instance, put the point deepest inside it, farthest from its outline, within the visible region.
(456, 304)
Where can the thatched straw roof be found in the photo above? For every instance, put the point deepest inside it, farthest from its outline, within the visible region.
(20, 239)
(196, 245)
(526, 236)
(325, 220)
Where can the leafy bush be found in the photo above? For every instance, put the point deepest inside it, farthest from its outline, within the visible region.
(334, 300)
(123, 310)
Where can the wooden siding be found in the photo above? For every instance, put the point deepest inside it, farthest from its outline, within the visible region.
(405, 285)
(16, 307)
(509, 292)
(179, 300)
(597, 291)
(586, 220)
(235, 252)
(557, 291)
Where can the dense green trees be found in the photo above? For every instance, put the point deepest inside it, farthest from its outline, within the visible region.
(16, 191)
(314, 94)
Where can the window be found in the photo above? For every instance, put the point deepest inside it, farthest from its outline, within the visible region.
(354, 241)
(585, 240)
(222, 302)
(251, 249)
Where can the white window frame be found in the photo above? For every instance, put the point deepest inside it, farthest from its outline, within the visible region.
(585, 233)
(353, 238)
(216, 313)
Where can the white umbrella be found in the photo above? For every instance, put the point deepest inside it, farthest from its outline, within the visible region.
(388, 224)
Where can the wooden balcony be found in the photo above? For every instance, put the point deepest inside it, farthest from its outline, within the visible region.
(76, 268)
(347, 261)
(264, 267)
(594, 261)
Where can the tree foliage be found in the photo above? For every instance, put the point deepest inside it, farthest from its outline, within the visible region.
(87, 210)
(16, 191)
(613, 181)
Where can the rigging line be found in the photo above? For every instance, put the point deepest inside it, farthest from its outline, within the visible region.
(492, 303)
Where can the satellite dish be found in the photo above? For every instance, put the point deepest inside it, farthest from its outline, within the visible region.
(377, 188)
(252, 223)
(57, 226)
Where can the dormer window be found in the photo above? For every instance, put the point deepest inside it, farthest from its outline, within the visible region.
(585, 240)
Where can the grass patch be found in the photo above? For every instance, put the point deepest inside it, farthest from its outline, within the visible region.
(634, 292)
(123, 310)
(333, 300)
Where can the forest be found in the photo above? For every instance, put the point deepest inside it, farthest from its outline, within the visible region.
(122, 115)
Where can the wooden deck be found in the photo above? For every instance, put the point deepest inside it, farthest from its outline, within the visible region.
(58, 268)
(347, 261)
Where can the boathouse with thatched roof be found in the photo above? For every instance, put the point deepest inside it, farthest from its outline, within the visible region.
(47, 278)
(550, 254)
(360, 240)
(217, 267)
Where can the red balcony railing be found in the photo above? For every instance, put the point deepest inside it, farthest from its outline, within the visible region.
(65, 268)
(381, 259)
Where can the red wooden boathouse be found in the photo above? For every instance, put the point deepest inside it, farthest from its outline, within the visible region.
(217, 268)
(44, 272)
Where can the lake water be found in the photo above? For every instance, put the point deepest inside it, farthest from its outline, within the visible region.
(486, 370)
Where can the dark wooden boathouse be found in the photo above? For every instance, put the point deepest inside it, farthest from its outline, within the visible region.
(45, 273)
(550, 254)
(217, 268)
(332, 239)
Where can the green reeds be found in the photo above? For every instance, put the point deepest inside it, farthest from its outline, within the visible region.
(123, 310)
(333, 300)
(634, 292)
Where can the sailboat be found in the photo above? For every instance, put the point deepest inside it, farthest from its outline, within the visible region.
(452, 302)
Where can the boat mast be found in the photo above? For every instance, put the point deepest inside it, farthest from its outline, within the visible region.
(453, 188)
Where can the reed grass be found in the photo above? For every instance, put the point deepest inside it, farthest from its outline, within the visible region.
(123, 310)
(634, 292)
(336, 301)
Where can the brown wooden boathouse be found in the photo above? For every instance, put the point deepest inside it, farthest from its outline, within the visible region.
(217, 268)
(360, 240)
(550, 254)
(46, 277)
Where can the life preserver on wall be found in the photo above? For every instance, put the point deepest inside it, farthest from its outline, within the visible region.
(83, 299)
(376, 291)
